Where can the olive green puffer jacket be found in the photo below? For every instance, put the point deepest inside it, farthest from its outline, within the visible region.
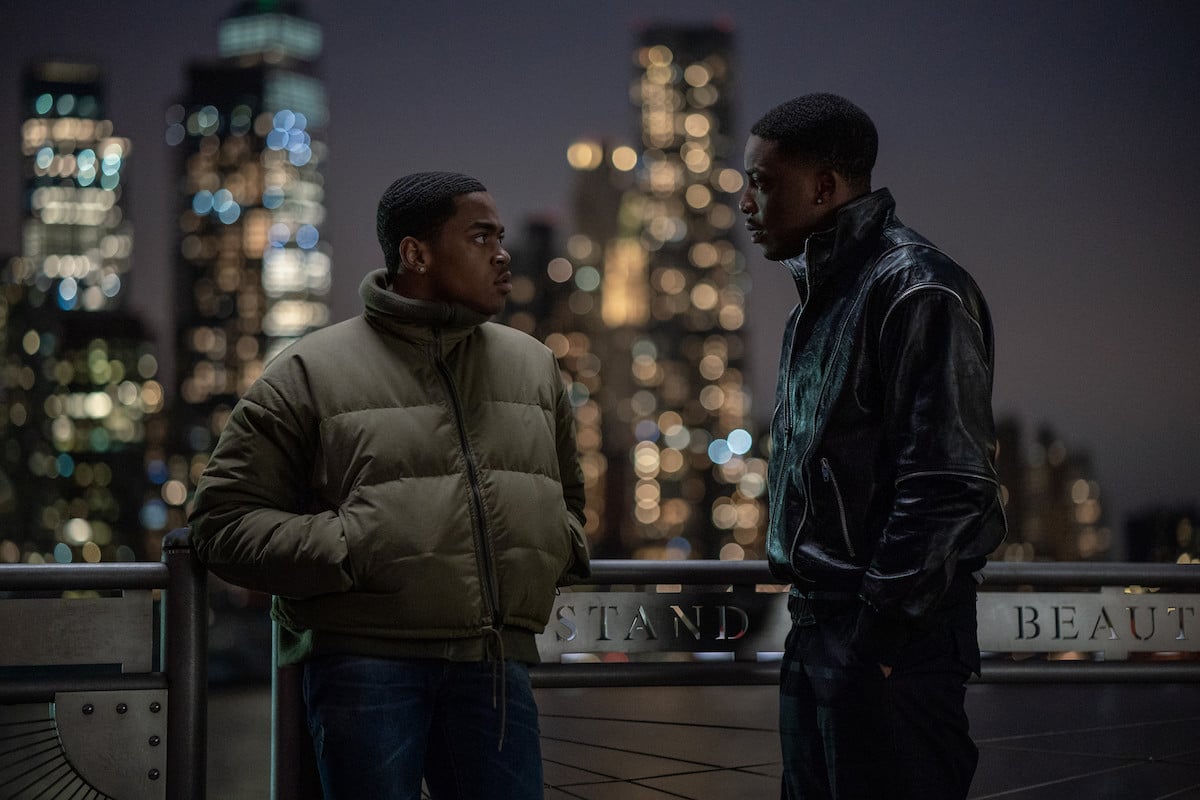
(405, 482)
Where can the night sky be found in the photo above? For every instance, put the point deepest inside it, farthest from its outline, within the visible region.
(1050, 147)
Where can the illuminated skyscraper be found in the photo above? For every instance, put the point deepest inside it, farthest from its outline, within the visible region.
(79, 394)
(695, 486)
(650, 314)
(76, 242)
(253, 271)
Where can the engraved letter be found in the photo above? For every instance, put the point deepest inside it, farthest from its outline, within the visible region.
(1133, 623)
(566, 618)
(604, 637)
(723, 634)
(694, 627)
(1062, 619)
(1031, 622)
(1182, 635)
(1104, 621)
(640, 620)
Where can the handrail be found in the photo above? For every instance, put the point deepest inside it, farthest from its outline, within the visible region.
(766, 673)
(619, 571)
(42, 690)
(142, 575)
(72, 577)
(1008, 573)
(1091, 573)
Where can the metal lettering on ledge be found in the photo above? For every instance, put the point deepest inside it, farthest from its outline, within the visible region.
(743, 623)
(1109, 621)
(746, 623)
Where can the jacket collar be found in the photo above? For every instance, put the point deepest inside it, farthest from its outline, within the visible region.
(854, 235)
(410, 318)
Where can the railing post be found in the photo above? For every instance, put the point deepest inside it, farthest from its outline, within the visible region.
(293, 763)
(184, 643)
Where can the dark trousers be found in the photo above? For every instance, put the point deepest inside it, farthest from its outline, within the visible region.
(380, 725)
(849, 733)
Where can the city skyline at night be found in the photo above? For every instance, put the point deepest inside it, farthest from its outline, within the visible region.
(645, 309)
(1055, 167)
(251, 268)
(81, 401)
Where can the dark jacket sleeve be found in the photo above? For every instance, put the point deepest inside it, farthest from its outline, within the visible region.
(936, 364)
(249, 520)
(579, 567)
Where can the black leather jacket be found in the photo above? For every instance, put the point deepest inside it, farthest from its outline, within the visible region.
(882, 464)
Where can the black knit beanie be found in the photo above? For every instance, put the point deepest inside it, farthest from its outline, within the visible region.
(417, 205)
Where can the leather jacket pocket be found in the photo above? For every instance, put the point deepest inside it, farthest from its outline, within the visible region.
(831, 484)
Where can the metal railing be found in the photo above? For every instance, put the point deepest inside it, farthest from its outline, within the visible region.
(293, 768)
(44, 633)
(1025, 575)
(183, 643)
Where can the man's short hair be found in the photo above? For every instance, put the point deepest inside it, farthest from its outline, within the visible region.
(418, 205)
(825, 129)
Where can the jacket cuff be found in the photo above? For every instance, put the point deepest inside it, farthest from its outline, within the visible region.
(877, 639)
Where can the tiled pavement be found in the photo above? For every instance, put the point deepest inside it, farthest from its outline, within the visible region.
(1037, 742)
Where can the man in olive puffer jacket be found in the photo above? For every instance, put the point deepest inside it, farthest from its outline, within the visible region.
(406, 484)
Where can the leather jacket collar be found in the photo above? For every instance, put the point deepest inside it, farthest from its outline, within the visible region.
(855, 233)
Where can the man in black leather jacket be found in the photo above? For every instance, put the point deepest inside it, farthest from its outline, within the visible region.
(883, 493)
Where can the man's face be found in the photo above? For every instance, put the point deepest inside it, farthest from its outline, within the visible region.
(780, 201)
(468, 262)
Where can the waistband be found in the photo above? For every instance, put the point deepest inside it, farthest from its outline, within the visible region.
(962, 587)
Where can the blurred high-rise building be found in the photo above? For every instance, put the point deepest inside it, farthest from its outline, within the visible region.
(80, 396)
(252, 267)
(1052, 499)
(692, 481)
(558, 297)
(647, 314)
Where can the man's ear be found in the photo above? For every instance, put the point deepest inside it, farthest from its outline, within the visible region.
(414, 255)
(828, 186)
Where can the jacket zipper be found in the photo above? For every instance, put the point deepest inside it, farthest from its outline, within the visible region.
(837, 346)
(785, 406)
(827, 474)
(486, 577)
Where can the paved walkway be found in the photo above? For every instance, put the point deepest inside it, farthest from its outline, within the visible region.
(1037, 742)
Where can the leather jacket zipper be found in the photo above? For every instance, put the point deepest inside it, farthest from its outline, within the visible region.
(785, 406)
(830, 478)
(787, 367)
(486, 577)
(837, 347)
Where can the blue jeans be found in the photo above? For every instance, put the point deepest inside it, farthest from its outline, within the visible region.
(379, 725)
